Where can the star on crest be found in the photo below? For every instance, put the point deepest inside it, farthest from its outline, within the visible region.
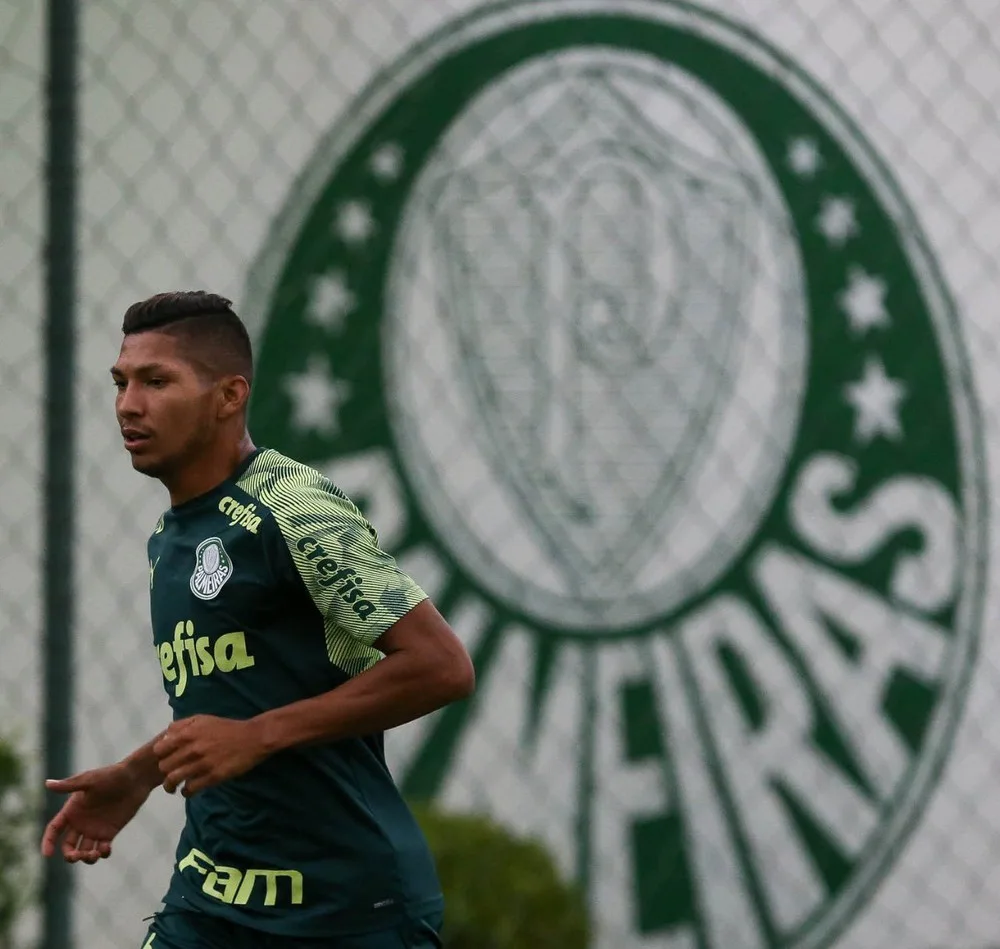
(317, 398)
(803, 157)
(387, 162)
(876, 399)
(330, 300)
(837, 220)
(355, 223)
(863, 301)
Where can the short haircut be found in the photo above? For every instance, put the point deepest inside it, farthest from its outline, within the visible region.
(205, 325)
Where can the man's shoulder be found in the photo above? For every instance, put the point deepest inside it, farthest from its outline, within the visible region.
(287, 486)
(273, 476)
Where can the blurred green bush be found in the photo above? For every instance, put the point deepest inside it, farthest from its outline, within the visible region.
(15, 827)
(501, 891)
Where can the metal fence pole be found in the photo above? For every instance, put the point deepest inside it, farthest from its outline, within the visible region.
(60, 358)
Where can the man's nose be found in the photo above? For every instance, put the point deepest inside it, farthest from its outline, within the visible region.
(129, 403)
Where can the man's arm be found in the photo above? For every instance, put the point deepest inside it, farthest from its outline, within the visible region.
(143, 766)
(139, 772)
(425, 668)
(369, 606)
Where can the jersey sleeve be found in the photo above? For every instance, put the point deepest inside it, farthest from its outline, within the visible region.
(355, 585)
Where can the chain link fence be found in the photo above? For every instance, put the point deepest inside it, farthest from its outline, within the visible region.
(21, 363)
(660, 351)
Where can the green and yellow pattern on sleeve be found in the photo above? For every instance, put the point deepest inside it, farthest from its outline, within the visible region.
(357, 587)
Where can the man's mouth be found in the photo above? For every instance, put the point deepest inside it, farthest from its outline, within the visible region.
(134, 437)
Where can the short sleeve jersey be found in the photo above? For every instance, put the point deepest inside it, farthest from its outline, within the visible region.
(270, 589)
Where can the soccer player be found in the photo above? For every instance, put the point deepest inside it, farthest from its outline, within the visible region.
(288, 641)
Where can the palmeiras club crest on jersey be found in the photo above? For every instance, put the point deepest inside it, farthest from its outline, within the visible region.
(629, 346)
(212, 568)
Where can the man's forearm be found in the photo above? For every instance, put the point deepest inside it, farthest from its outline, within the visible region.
(144, 766)
(393, 692)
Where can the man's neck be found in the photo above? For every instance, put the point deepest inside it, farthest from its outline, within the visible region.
(206, 473)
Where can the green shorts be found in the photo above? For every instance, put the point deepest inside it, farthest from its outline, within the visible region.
(182, 929)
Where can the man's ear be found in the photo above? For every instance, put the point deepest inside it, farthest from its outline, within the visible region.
(233, 394)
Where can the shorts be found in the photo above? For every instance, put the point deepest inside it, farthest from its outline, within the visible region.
(183, 929)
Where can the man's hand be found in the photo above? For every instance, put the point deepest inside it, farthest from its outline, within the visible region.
(101, 803)
(203, 751)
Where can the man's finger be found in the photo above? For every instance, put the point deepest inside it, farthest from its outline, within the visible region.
(97, 851)
(175, 779)
(174, 738)
(162, 745)
(51, 835)
(171, 780)
(198, 784)
(182, 775)
(175, 729)
(177, 759)
(76, 782)
(193, 785)
(70, 847)
(169, 745)
(88, 851)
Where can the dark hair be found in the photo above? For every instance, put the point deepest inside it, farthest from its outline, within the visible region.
(206, 325)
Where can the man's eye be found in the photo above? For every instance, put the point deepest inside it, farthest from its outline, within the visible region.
(157, 383)
(119, 384)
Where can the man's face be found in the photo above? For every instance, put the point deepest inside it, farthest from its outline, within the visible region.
(166, 409)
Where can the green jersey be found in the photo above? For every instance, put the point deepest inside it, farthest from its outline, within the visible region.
(269, 589)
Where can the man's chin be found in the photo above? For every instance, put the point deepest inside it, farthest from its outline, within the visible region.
(144, 464)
